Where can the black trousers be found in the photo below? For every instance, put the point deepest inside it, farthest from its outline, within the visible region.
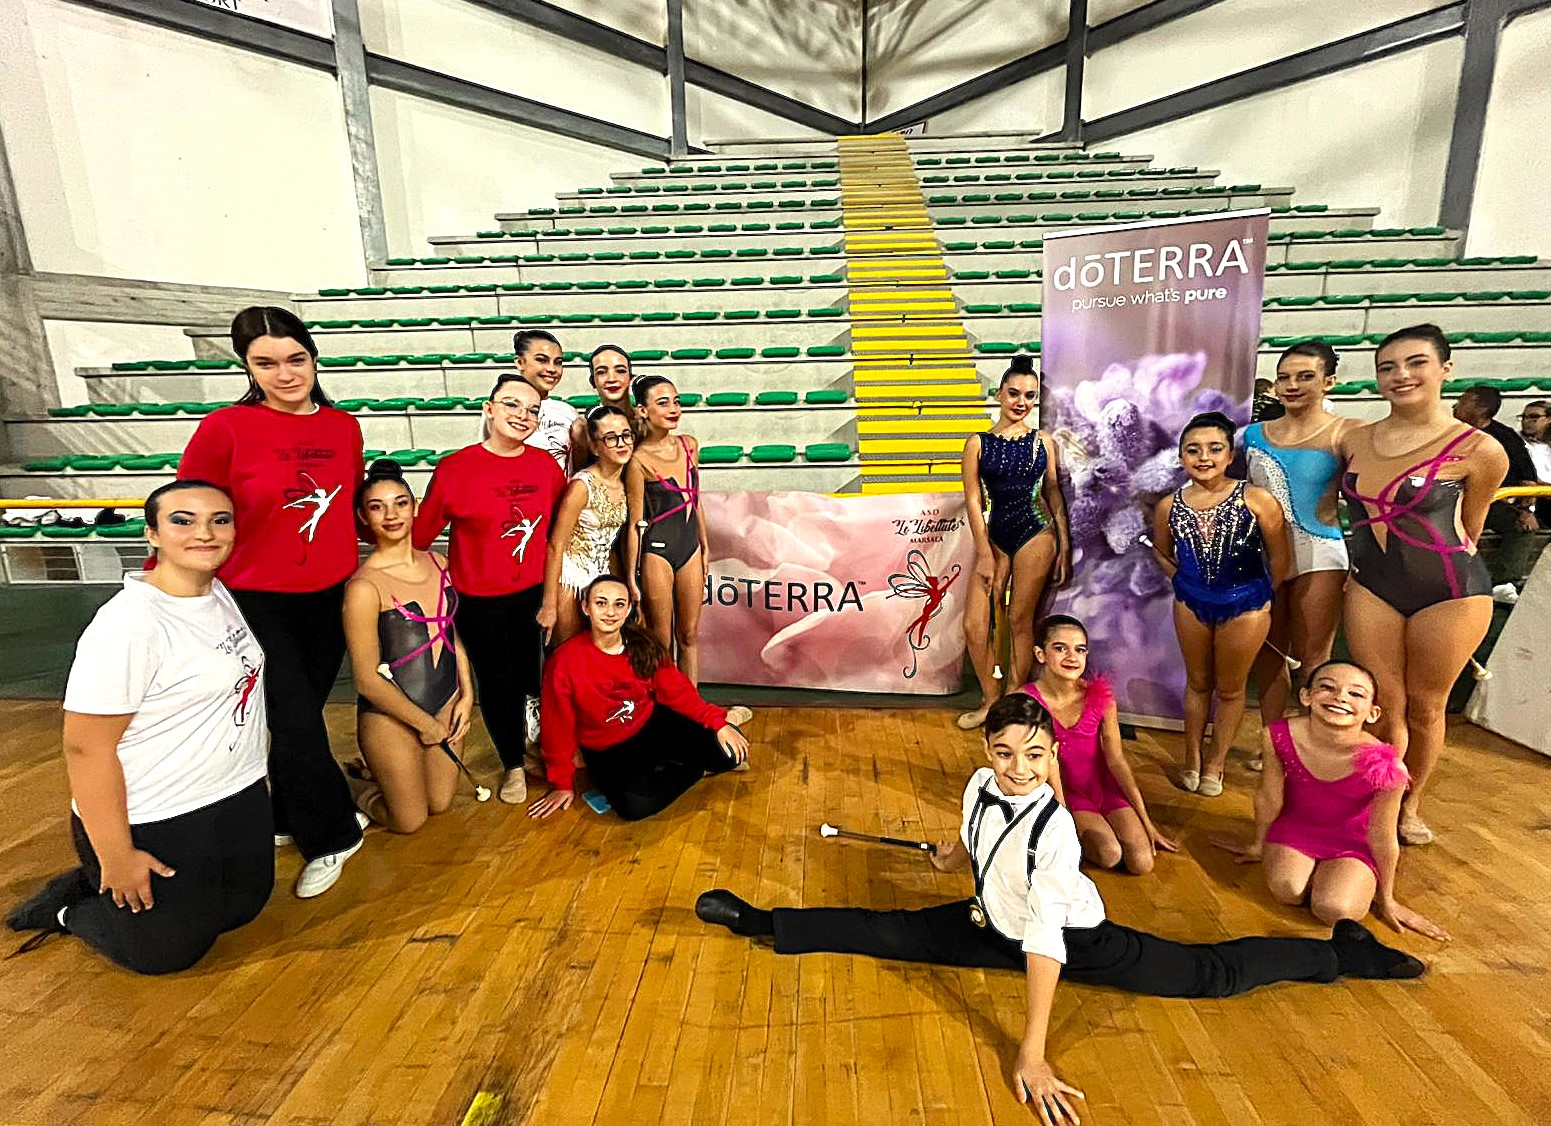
(502, 637)
(303, 637)
(657, 765)
(223, 857)
(1108, 954)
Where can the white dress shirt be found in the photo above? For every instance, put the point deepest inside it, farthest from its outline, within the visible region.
(1031, 908)
(1540, 454)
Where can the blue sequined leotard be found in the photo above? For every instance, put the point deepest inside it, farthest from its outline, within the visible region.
(1012, 473)
(1222, 558)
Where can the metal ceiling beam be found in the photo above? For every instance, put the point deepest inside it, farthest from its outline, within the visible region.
(1076, 61)
(405, 78)
(1367, 46)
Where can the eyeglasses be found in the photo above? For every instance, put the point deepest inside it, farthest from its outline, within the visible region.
(1534, 416)
(620, 440)
(514, 406)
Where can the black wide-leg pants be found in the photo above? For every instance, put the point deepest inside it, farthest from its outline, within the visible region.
(1108, 954)
(657, 765)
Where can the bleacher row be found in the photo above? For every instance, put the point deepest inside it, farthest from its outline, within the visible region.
(764, 358)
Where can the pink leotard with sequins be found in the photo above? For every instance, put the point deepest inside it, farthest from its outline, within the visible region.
(1329, 820)
(1086, 782)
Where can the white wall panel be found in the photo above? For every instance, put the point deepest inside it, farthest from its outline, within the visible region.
(1513, 203)
(645, 19)
(448, 171)
(917, 48)
(483, 46)
(74, 344)
(1035, 104)
(806, 49)
(1313, 136)
(143, 152)
(711, 117)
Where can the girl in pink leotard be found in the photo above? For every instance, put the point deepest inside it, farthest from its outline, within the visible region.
(1091, 777)
(1328, 809)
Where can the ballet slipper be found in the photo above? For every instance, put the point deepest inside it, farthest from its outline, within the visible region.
(738, 715)
(1209, 786)
(1413, 830)
(1190, 780)
(1256, 764)
(971, 720)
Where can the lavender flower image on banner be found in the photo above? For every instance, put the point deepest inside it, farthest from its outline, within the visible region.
(1144, 325)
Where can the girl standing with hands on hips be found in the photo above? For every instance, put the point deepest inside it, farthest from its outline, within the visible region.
(1294, 458)
(1328, 808)
(666, 564)
(290, 461)
(164, 743)
(499, 495)
(1091, 776)
(642, 730)
(1225, 544)
(412, 674)
(1017, 516)
(587, 524)
(1418, 484)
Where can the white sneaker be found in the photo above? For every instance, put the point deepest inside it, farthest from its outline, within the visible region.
(284, 839)
(1506, 593)
(532, 715)
(321, 874)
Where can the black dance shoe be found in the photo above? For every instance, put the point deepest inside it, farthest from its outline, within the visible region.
(725, 909)
(1359, 954)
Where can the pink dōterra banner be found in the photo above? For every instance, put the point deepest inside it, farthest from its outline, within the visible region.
(1144, 325)
(850, 594)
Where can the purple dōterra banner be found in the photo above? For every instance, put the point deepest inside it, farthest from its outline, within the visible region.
(1144, 325)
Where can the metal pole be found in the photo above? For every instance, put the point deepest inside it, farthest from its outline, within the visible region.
(355, 97)
(678, 143)
(1484, 20)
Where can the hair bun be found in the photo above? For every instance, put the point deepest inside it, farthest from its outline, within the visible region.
(385, 469)
(1021, 365)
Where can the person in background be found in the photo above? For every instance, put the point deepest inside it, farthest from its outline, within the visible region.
(164, 745)
(560, 432)
(1535, 429)
(1265, 406)
(290, 460)
(1513, 520)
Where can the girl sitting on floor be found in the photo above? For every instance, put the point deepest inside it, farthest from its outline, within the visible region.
(1092, 777)
(1328, 809)
(412, 674)
(644, 733)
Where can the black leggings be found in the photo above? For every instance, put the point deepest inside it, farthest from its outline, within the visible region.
(303, 638)
(657, 765)
(224, 859)
(501, 635)
(1108, 954)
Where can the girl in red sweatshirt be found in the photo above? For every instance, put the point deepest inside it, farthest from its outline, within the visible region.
(290, 462)
(499, 495)
(644, 733)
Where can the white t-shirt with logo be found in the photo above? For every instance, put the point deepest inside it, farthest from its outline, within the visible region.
(556, 417)
(191, 673)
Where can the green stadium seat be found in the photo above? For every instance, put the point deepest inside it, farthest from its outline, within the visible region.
(48, 464)
(780, 352)
(410, 457)
(147, 463)
(735, 353)
(689, 398)
(776, 399)
(17, 531)
(773, 454)
(827, 452)
(91, 463)
(826, 397)
(821, 351)
(727, 399)
(56, 532)
(720, 455)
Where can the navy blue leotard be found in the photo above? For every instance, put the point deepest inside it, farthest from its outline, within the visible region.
(1012, 473)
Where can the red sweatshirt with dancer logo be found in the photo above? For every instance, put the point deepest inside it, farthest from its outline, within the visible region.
(292, 480)
(501, 509)
(595, 700)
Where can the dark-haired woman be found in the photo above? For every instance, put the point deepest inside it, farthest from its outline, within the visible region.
(1418, 485)
(164, 743)
(289, 460)
(499, 495)
(666, 564)
(1294, 458)
(1225, 544)
(540, 363)
(410, 670)
(587, 524)
(611, 377)
(644, 733)
(1017, 516)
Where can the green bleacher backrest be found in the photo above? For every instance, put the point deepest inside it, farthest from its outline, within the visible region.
(720, 455)
(727, 399)
(827, 397)
(775, 399)
(774, 453)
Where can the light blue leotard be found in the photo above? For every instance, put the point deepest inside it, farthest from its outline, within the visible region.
(1299, 479)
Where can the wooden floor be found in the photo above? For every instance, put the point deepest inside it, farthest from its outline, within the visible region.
(560, 969)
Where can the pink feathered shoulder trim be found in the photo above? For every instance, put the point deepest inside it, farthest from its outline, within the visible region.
(1380, 766)
(1100, 695)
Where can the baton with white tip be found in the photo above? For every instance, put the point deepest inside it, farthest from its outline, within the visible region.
(828, 830)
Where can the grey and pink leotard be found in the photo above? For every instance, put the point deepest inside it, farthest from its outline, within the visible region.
(1424, 560)
(416, 647)
(1086, 781)
(1328, 820)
